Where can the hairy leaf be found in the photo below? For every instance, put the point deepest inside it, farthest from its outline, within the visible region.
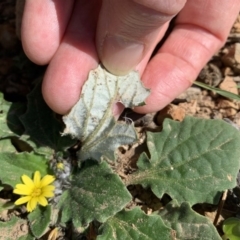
(4, 108)
(96, 194)
(6, 145)
(10, 124)
(14, 165)
(191, 160)
(42, 127)
(188, 224)
(39, 220)
(134, 224)
(91, 120)
(5, 204)
(13, 117)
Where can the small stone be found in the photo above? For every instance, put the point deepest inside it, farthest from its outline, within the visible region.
(171, 111)
(237, 118)
(232, 57)
(237, 27)
(227, 108)
(190, 108)
(228, 84)
(237, 52)
(224, 103)
(227, 71)
(236, 79)
(191, 93)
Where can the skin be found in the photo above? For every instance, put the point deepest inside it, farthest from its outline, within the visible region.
(73, 36)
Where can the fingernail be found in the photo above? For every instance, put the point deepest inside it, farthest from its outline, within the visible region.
(120, 55)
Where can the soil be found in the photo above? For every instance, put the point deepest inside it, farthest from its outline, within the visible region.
(17, 75)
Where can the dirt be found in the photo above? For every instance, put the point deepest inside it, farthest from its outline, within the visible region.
(17, 75)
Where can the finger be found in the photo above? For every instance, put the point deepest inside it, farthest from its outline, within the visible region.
(201, 29)
(129, 29)
(43, 25)
(75, 57)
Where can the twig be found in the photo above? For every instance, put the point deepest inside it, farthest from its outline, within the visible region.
(220, 207)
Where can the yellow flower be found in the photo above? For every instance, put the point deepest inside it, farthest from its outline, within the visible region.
(35, 191)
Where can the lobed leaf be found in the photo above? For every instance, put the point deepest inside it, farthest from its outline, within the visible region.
(134, 224)
(14, 165)
(42, 129)
(4, 108)
(91, 120)
(6, 145)
(39, 220)
(13, 117)
(187, 223)
(5, 204)
(191, 160)
(96, 193)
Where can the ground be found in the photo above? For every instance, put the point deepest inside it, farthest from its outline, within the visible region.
(17, 75)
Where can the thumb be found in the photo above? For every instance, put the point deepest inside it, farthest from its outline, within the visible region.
(128, 30)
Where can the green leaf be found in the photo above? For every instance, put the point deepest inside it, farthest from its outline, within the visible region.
(14, 165)
(187, 223)
(231, 228)
(91, 120)
(4, 108)
(135, 224)
(39, 220)
(5, 204)
(6, 146)
(191, 160)
(16, 228)
(42, 127)
(96, 194)
(27, 237)
(13, 117)
(117, 134)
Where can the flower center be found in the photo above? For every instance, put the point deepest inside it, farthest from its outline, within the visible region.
(36, 192)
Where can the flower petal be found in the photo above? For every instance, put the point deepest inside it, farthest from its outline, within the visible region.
(46, 180)
(22, 189)
(48, 194)
(37, 178)
(33, 203)
(48, 188)
(19, 192)
(23, 200)
(29, 209)
(42, 201)
(27, 181)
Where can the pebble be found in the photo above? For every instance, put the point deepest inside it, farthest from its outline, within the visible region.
(228, 84)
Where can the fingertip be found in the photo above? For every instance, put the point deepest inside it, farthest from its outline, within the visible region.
(74, 59)
(43, 26)
(65, 76)
(58, 95)
(165, 82)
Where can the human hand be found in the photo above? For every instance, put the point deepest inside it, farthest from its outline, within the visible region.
(73, 36)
